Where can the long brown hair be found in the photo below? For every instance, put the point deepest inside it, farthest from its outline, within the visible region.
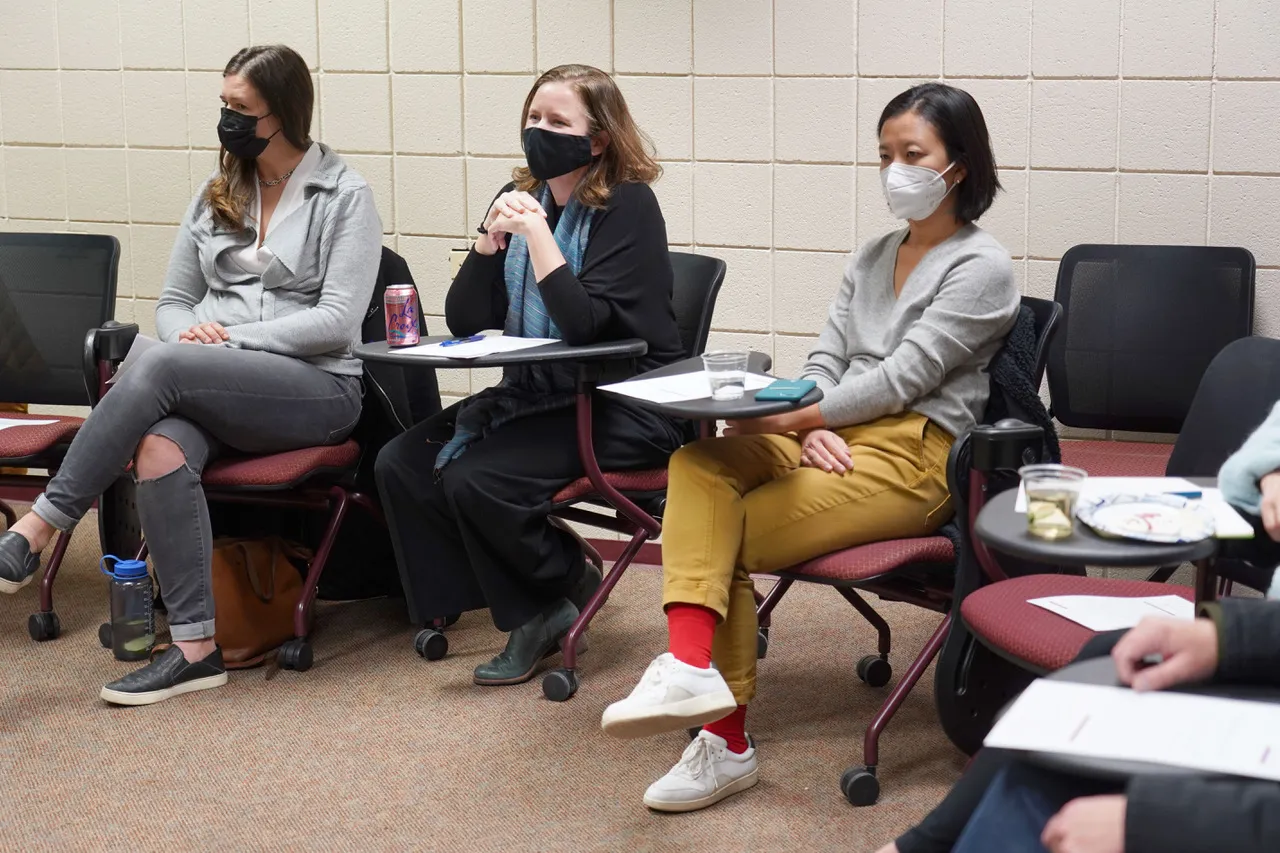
(280, 75)
(629, 156)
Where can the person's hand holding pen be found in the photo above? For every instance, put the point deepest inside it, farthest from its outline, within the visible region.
(1183, 652)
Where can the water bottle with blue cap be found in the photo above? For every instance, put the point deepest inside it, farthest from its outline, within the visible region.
(133, 622)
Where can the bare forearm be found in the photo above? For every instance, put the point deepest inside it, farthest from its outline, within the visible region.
(810, 417)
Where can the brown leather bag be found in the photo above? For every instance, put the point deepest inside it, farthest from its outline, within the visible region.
(257, 583)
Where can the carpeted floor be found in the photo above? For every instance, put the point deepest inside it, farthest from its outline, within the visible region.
(377, 749)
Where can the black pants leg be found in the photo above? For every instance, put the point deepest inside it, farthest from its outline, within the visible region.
(941, 828)
(480, 535)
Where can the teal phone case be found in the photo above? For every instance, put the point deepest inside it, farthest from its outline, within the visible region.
(789, 390)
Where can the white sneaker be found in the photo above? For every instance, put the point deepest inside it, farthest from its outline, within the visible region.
(671, 695)
(706, 774)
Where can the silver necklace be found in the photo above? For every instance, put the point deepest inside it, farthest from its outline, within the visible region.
(278, 180)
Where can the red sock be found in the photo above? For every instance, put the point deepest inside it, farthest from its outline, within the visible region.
(691, 628)
(733, 729)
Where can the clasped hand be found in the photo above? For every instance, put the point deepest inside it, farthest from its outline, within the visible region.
(204, 333)
(512, 212)
(819, 448)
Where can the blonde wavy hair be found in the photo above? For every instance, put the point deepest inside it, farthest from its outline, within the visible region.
(629, 156)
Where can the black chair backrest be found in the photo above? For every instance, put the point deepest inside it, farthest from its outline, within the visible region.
(1236, 394)
(408, 395)
(54, 288)
(1142, 325)
(696, 284)
(1048, 315)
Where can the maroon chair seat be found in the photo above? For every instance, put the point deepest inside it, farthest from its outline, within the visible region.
(649, 480)
(998, 614)
(25, 442)
(280, 470)
(1117, 458)
(868, 561)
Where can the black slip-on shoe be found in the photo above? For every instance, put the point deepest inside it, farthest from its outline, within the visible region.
(167, 676)
(18, 563)
(528, 645)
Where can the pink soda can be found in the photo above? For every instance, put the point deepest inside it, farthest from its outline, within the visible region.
(402, 315)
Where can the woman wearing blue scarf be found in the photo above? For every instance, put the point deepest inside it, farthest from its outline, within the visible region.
(575, 249)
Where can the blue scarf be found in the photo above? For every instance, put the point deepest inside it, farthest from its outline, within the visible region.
(527, 390)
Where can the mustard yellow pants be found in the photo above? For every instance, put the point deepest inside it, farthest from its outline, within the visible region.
(742, 504)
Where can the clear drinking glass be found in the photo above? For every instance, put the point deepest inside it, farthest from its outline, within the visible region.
(1052, 491)
(727, 372)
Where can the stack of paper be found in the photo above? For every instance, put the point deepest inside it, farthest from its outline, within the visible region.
(1230, 736)
(679, 388)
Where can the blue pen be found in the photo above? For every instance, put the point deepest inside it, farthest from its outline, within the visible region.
(1191, 496)
(457, 341)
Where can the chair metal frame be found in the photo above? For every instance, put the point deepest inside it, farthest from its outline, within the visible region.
(629, 517)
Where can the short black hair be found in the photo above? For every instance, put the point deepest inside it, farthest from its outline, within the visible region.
(956, 117)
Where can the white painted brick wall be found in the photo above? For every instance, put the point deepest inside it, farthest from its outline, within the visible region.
(1137, 121)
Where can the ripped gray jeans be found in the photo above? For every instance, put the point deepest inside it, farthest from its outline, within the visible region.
(204, 399)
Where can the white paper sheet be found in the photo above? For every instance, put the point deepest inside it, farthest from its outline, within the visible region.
(1111, 613)
(141, 343)
(490, 345)
(8, 423)
(679, 388)
(1198, 732)
(1228, 523)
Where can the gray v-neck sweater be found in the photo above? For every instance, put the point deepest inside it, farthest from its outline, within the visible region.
(925, 351)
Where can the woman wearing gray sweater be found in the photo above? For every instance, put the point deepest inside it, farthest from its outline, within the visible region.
(270, 276)
(902, 363)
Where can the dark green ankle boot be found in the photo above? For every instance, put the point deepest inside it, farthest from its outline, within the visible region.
(528, 645)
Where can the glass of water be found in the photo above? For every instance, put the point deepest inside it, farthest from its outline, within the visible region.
(1052, 491)
(727, 372)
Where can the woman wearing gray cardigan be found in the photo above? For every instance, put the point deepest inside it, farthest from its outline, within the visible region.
(270, 276)
(902, 362)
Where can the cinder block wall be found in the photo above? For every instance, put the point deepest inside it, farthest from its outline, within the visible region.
(1113, 120)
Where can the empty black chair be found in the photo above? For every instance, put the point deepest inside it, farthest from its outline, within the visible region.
(54, 288)
(1141, 325)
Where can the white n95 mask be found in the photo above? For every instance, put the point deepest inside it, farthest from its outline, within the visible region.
(913, 192)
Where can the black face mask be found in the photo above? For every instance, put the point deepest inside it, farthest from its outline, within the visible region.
(551, 155)
(238, 133)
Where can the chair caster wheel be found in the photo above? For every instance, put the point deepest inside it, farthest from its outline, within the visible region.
(762, 643)
(449, 620)
(104, 635)
(431, 644)
(860, 786)
(875, 670)
(44, 626)
(559, 685)
(295, 655)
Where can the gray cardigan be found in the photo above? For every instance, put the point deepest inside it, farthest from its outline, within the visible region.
(310, 300)
(925, 351)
